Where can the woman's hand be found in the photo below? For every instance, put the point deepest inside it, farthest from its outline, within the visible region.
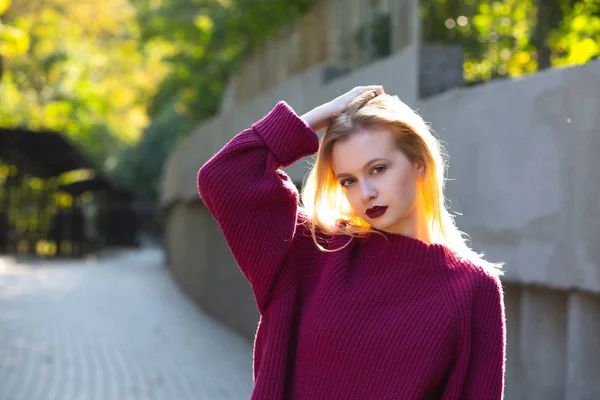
(318, 118)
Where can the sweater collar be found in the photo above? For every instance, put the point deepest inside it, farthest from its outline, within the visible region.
(398, 248)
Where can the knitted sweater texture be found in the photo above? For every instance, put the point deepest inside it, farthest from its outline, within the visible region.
(384, 318)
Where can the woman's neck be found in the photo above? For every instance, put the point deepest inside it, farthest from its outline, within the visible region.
(415, 225)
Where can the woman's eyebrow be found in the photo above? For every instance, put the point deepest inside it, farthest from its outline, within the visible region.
(342, 175)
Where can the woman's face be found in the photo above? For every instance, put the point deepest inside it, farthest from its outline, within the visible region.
(378, 180)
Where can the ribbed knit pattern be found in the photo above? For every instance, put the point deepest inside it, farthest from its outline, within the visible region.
(385, 318)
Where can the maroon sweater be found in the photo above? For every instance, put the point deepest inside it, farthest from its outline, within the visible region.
(380, 319)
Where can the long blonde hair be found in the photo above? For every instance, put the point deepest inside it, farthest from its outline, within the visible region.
(325, 203)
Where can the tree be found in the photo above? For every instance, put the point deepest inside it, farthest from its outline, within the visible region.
(514, 37)
(13, 40)
(83, 74)
(210, 38)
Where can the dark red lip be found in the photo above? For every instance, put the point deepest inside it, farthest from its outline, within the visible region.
(375, 212)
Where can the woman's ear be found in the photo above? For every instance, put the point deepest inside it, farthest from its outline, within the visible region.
(421, 170)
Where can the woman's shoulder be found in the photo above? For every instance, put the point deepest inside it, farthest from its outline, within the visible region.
(469, 277)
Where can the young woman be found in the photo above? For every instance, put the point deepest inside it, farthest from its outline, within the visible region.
(369, 290)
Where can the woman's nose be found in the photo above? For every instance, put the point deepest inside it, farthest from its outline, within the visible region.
(367, 190)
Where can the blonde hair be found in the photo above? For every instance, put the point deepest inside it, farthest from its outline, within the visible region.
(326, 205)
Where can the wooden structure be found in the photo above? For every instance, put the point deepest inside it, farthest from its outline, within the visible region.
(113, 223)
(29, 211)
(24, 210)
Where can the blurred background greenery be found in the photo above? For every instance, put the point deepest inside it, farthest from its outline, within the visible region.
(125, 79)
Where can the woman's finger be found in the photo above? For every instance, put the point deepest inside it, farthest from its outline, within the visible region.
(377, 88)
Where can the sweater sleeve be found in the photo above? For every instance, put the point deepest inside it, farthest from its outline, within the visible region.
(485, 373)
(480, 365)
(253, 201)
(486, 364)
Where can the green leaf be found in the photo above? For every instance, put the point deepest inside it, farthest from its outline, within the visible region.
(13, 41)
(4, 4)
(204, 23)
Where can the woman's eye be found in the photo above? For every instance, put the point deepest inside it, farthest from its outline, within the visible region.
(379, 169)
(347, 182)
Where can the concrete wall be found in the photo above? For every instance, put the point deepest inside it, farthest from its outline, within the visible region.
(524, 159)
(201, 263)
(440, 69)
(525, 156)
(326, 35)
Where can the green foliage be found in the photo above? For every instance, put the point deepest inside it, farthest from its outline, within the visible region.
(144, 162)
(577, 37)
(210, 39)
(514, 37)
(85, 74)
(13, 40)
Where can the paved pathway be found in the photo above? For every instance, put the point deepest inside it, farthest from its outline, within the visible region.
(116, 329)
